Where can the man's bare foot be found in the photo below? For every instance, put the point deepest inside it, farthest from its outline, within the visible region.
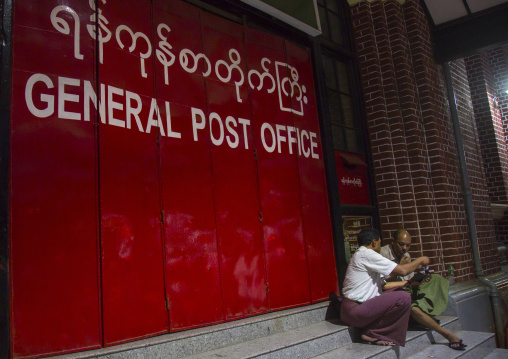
(452, 338)
(455, 342)
(375, 341)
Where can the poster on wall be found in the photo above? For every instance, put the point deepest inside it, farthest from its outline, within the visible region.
(352, 176)
(352, 225)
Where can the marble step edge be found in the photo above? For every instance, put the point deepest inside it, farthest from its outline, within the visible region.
(191, 341)
(303, 342)
(363, 351)
(300, 339)
(479, 345)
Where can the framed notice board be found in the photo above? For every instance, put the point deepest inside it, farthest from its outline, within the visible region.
(352, 225)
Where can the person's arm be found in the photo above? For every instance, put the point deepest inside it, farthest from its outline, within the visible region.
(399, 284)
(405, 269)
(413, 282)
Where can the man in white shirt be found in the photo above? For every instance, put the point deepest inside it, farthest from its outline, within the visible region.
(382, 316)
(428, 298)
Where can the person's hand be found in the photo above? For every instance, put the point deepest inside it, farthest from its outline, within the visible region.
(418, 279)
(405, 259)
(424, 260)
(414, 283)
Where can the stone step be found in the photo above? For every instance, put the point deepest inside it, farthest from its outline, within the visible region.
(416, 340)
(497, 354)
(303, 342)
(479, 345)
(313, 340)
(195, 341)
(293, 333)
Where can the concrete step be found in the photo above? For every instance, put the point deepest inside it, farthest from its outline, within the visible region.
(416, 340)
(303, 342)
(479, 345)
(195, 341)
(497, 354)
(294, 333)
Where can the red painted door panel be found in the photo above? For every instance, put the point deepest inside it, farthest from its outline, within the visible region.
(286, 262)
(192, 266)
(132, 255)
(191, 254)
(316, 215)
(235, 176)
(55, 305)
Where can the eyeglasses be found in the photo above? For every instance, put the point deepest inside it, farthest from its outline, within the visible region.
(402, 244)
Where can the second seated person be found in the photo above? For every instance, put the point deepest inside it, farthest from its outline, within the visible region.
(382, 315)
(429, 297)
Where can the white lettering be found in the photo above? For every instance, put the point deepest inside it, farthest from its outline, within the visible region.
(112, 105)
(299, 142)
(305, 134)
(272, 136)
(231, 120)
(90, 95)
(244, 124)
(171, 133)
(291, 139)
(313, 144)
(135, 37)
(133, 111)
(265, 126)
(155, 123)
(216, 141)
(195, 125)
(166, 50)
(280, 137)
(235, 58)
(48, 99)
(64, 97)
(62, 26)
(357, 182)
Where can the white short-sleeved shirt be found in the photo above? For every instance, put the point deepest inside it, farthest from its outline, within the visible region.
(365, 273)
(387, 251)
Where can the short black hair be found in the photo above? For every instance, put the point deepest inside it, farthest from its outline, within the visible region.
(367, 235)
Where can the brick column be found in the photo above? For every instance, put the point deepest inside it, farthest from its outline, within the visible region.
(377, 114)
(490, 125)
(499, 61)
(445, 174)
(423, 203)
(485, 229)
(488, 78)
(415, 163)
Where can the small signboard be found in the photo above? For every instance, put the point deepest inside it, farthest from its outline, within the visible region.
(352, 176)
(352, 226)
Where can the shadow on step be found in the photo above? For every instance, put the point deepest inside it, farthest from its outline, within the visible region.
(333, 316)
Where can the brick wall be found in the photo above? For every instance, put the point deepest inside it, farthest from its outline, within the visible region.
(485, 229)
(488, 78)
(416, 169)
(482, 80)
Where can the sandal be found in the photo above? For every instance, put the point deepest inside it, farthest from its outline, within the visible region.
(385, 343)
(457, 345)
